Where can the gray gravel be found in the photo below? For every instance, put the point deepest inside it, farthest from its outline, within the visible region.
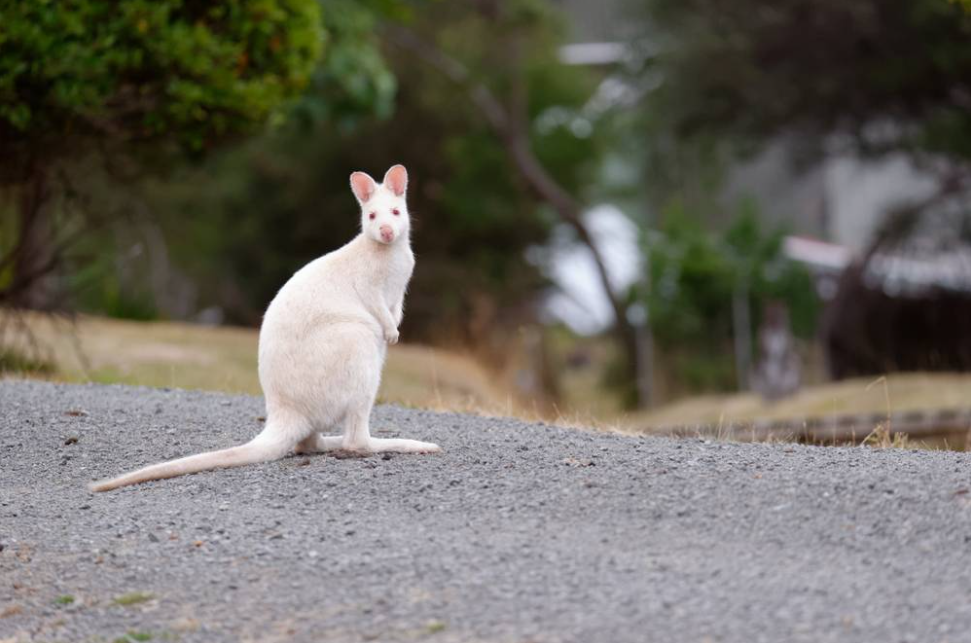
(518, 532)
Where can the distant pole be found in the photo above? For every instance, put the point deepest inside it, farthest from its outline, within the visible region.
(644, 360)
(742, 323)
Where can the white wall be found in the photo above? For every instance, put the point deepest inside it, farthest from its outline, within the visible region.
(860, 193)
(842, 200)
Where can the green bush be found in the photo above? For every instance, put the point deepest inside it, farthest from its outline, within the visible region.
(694, 274)
(142, 69)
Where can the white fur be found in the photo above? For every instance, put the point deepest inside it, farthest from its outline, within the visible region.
(323, 344)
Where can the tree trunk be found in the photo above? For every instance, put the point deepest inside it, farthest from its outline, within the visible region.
(33, 256)
(570, 212)
(511, 127)
(633, 351)
(742, 334)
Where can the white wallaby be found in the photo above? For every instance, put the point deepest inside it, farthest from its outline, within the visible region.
(323, 344)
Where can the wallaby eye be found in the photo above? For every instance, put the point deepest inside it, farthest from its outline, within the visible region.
(371, 216)
(395, 212)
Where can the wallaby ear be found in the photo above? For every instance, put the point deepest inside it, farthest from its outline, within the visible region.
(396, 179)
(363, 186)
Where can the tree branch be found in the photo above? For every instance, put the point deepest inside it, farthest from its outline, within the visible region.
(456, 72)
(513, 131)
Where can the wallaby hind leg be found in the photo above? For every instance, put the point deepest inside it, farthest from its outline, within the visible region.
(401, 445)
(318, 443)
(357, 437)
(324, 443)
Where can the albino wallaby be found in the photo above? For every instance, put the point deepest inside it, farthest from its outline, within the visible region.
(323, 343)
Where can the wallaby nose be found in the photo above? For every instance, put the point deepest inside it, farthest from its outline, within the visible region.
(387, 233)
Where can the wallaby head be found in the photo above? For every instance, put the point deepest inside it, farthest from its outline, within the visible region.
(384, 213)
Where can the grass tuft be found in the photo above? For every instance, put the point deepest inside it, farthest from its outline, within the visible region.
(435, 627)
(133, 598)
(12, 361)
(883, 437)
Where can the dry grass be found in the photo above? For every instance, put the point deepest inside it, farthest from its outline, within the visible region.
(170, 354)
(899, 392)
(179, 355)
(882, 437)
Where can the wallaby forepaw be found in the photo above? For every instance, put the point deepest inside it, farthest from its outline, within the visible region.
(391, 336)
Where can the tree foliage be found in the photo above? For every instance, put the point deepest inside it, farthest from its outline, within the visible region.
(352, 81)
(694, 274)
(144, 69)
(257, 213)
(889, 74)
(89, 83)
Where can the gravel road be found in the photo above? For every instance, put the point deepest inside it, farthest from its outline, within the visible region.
(516, 533)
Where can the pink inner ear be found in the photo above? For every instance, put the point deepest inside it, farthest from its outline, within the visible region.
(363, 186)
(397, 179)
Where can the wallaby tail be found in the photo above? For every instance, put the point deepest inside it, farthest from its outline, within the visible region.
(262, 448)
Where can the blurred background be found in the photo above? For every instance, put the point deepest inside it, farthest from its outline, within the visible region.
(747, 219)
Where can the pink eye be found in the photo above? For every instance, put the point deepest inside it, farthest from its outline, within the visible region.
(395, 212)
(371, 216)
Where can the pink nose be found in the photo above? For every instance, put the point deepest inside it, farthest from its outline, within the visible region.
(387, 233)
